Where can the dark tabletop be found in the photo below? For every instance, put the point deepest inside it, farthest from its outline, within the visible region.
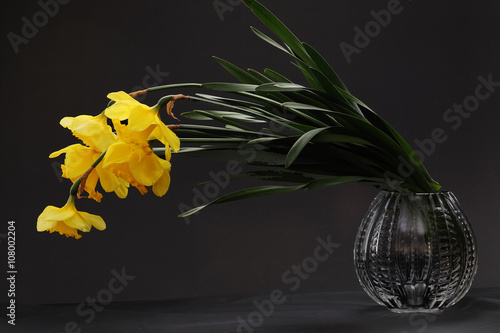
(478, 311)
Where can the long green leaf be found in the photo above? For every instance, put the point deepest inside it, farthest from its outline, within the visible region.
(195, 115)
(269, 40)
(279, 87)
(238, 73)
(223, 119)
(279, 29)
(323, 66)
(259, 76)
(229, 87)
(277, 77)
(283, 176)
(268, 190)
(305, 69)
(232, 101)
(300, 144)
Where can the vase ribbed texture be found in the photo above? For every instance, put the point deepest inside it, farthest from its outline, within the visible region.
(415, 252)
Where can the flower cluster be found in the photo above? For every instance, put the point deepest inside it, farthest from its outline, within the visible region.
(117, 157)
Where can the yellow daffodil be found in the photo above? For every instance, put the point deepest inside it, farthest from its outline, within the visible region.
(67, 220)
(140, 117)
(132, 159)
(98, 136)
(93, 131)
(78, 160)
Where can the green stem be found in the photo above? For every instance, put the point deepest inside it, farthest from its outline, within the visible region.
(174, 86)
(73, 191)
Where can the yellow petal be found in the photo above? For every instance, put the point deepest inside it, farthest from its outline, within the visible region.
(145, 167)
(45, 219)
(162, 185)
(117, 153)
(124, 105)
(90, 185)
(109, 181)
(65, 150)
(166, 136)
(78, 159)
(120, 111)
(66, 122)
(95, 220)
(63, 229)
(120, 96)
(78, 222)
(140, 119)
(122, 190)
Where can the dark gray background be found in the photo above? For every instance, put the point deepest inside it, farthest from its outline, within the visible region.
(428, 58)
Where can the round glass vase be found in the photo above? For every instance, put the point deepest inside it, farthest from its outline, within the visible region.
(415, 252)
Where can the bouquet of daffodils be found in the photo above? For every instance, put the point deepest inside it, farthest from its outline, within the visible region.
(309, 136)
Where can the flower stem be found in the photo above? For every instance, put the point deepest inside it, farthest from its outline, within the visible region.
(78, 186)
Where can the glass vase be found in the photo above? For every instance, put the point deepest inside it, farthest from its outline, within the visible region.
(415, 252)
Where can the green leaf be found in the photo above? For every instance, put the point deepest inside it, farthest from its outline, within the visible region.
(237, 72)
(218, 131)
(300, 144)
(223, 119)
(341, 138)
(324, 67)
(269, 40)
(261, 140)
(260, 76)
(211, 140)
(277, 77)
(303, 106)
(175, 86)
(244, 194)
(327, 86)
(275, 176)
(279, 86)
(232, 101)
(305, 69)
(229, 87)
(257, 112)
(196, 115)
(407, 148)
(259, 191)
(279, 29)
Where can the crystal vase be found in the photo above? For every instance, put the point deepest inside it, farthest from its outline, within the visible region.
(415, 252)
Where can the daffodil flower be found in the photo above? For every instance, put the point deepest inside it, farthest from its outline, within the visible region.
(98, 136)
(132, 159)
(78, 160)
(67, 220)
(92, 130)
(140, 117)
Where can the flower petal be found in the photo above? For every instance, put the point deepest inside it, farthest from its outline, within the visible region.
(66, 122)
(166, 136)
(162, 185)
(124, 105)
(95, 220)
(117, 153)
(145, 167)
(63, 229)
(78, 222)
(46, 219)
(140, 119)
